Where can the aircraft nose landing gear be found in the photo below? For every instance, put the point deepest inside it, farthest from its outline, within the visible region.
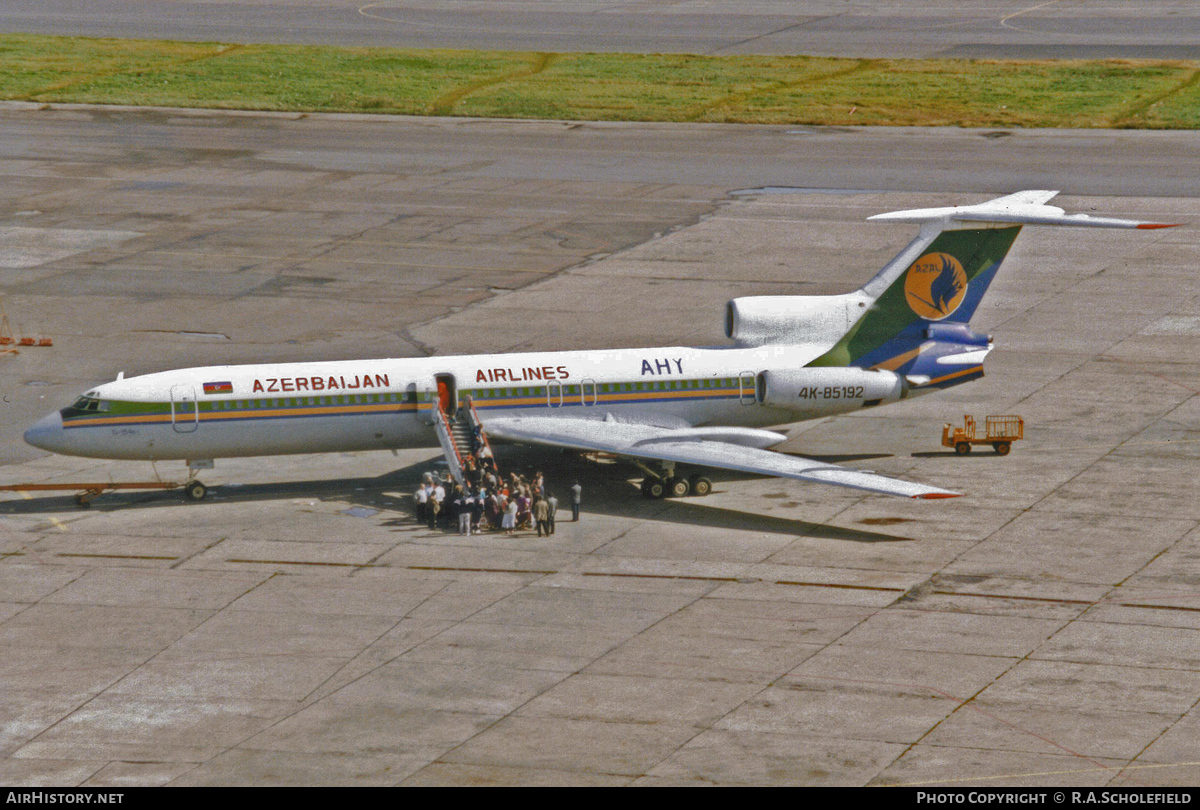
(193, 489)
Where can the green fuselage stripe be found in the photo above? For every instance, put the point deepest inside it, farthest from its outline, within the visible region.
(113, 413)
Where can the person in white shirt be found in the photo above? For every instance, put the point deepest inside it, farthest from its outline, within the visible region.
(421, 496)
(509, 521)
(435, 504)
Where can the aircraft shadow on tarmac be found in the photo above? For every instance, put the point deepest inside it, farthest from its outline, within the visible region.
(608, 489)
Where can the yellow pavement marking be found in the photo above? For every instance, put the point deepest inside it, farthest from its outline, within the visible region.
(57, 524)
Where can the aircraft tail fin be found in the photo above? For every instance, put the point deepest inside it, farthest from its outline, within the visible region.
(923, 300)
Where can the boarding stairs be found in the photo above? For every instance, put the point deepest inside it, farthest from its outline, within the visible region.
(461, 432)
(458, 438)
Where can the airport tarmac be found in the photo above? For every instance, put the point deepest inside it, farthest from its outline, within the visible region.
(299, 627)
(871, 29)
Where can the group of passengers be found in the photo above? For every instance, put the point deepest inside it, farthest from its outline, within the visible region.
(487, 501)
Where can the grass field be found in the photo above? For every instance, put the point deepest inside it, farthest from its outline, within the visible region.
(610, 87)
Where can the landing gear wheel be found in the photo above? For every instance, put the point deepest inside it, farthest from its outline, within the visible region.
(83, 501)
(1002, 448)
(701, 486)
(195, 490)
(653, 488)
(678, 487)
(962, 448)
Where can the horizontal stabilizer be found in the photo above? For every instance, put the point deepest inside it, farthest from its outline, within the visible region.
(1022, 208)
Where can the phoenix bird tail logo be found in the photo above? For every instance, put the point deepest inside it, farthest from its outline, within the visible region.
(935, 285)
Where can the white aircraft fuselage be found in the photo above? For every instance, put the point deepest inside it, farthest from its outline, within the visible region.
(273, 409)
(905, 332)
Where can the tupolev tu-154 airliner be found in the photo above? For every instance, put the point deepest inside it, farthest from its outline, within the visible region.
(905, 333)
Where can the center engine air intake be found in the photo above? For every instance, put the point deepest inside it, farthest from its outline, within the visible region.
(792, 319)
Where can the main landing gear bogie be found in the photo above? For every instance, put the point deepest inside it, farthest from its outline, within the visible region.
(671, 487)
(661, 482)
(653, 488)
(701, 485)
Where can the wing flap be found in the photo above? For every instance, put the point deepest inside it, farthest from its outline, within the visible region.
(659, 444)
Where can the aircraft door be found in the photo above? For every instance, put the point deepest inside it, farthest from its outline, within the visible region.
(554, 394)
(447, 394)
(587, 392)
(747, 385)
(185, 411)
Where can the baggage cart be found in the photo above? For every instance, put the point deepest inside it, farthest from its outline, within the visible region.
(999, 431)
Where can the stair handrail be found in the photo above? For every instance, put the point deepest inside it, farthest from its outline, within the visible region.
(458, 459)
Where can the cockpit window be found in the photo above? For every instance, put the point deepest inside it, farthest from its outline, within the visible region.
(86, 403)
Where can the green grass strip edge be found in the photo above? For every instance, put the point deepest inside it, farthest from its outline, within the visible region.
(795, 90)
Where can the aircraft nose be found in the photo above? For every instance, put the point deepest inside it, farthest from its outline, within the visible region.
(46, 433)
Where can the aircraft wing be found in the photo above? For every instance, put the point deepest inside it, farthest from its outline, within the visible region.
(705, 447)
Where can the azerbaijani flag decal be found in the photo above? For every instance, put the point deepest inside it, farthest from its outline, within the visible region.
(218, 388)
